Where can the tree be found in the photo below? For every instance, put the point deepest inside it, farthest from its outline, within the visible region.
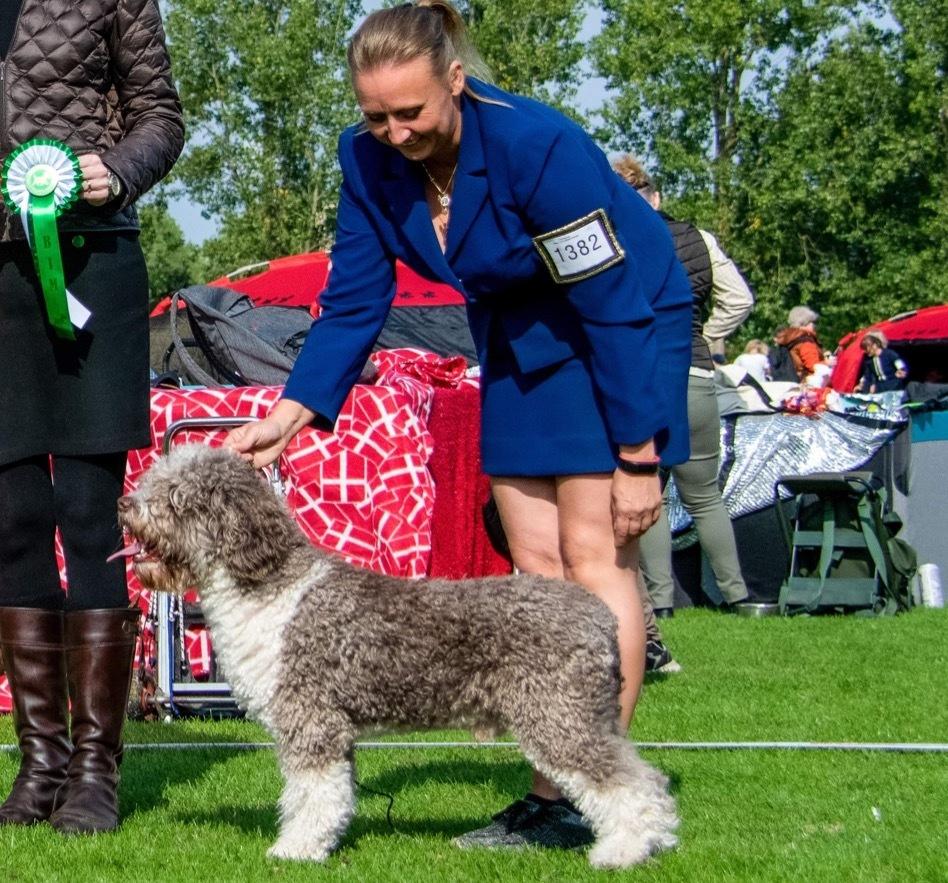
(687, 77)
(266, 96)
(811, 136)
(172, 263)
(531, 46)
(843, 203)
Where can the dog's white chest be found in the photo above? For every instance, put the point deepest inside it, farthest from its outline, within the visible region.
(248, 638)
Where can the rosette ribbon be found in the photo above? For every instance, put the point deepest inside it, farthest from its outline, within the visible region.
(41, 179)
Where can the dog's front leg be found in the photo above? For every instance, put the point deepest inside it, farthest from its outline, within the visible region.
(315, 808)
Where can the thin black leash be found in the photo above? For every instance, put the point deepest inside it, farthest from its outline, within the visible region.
(385, 794)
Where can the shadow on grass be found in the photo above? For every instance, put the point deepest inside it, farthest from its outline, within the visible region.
(255, 820)
(146, 782)
(423, 793)
(508, 778)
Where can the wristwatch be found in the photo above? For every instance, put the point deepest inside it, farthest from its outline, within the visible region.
(639, 467)
(115, 185)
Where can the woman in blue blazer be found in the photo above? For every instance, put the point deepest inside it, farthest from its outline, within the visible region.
(577, 305)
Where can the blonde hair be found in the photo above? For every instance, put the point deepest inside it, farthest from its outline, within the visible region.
(877, 337)
(431, 29)
(757, 346)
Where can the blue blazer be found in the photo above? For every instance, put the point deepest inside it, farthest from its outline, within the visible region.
(524, 170)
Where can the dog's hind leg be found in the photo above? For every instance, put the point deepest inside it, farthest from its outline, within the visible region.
(624, 799)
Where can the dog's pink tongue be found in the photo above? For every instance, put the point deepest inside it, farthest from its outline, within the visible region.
(127, 552)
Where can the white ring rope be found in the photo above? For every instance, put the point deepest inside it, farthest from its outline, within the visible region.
(892, 747)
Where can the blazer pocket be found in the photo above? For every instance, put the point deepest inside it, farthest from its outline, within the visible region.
(541, 335)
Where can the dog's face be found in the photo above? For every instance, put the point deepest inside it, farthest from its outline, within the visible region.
(197, 511)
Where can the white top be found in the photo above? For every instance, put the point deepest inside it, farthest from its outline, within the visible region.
(755, 364)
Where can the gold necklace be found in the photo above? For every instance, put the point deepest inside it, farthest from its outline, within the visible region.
(444, 198)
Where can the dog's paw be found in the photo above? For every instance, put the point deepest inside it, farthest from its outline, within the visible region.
(613, 853)
(288, 849)
(625, 852)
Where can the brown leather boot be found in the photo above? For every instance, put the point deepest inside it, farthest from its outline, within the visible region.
(32, 645)
(100, 646)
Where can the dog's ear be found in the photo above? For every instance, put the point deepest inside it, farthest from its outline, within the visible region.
(253, 530)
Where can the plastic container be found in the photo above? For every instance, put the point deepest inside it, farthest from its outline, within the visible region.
(929, 586)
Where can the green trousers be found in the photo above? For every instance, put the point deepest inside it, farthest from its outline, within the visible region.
(697, 483)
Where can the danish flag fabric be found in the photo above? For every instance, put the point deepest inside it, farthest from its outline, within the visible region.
(363, 491)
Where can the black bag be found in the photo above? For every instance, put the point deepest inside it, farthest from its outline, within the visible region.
(781, 360)
(781, 365)
(244, 345)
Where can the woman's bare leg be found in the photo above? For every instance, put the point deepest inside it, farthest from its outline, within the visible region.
(562, 527)
(591, 559)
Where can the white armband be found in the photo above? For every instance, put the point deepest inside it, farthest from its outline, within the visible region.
(580, 249)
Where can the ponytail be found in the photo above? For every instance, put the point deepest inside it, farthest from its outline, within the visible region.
(432, 29)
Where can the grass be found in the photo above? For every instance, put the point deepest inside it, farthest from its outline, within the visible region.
(746, 815)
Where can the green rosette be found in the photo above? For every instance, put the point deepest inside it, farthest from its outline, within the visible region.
(41, 179)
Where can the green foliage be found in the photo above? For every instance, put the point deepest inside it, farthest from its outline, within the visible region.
(687, 79)
(845, 210)
(809, 135)
(265, 96)
(172, 263)
(531, 46)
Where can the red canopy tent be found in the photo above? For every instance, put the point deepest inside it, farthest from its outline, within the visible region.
(919, 336)
(297, 280)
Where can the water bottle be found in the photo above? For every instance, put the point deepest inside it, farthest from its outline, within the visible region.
(929, 584)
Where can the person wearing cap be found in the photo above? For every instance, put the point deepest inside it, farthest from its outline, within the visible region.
(799, 337)
(882, 369)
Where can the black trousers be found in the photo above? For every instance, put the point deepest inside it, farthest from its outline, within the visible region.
(79, 496)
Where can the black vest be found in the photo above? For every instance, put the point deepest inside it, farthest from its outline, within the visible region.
(693, 254)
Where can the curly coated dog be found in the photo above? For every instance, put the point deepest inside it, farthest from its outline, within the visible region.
(317, 650)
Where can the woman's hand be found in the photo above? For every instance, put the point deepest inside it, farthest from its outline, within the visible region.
(95, 179)
(262, 441)
(636, 505)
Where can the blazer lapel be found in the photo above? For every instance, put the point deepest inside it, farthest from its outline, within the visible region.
(405, 194)
(470, 182)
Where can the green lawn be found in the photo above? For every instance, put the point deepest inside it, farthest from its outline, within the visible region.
(209, 814)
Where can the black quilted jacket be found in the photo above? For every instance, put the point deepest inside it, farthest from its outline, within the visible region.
(94, 74)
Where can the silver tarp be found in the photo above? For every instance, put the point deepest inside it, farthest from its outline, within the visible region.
(757, 449)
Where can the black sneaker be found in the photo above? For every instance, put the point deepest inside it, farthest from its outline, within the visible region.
(658, 658)
(532, 821)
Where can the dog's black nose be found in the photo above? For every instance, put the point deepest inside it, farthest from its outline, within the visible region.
(124, 504)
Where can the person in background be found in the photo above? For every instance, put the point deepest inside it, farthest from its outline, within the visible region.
(96, 77)
(798, 340)
(754, 360)
(882, 369)
(721, 301)
(577, 306)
